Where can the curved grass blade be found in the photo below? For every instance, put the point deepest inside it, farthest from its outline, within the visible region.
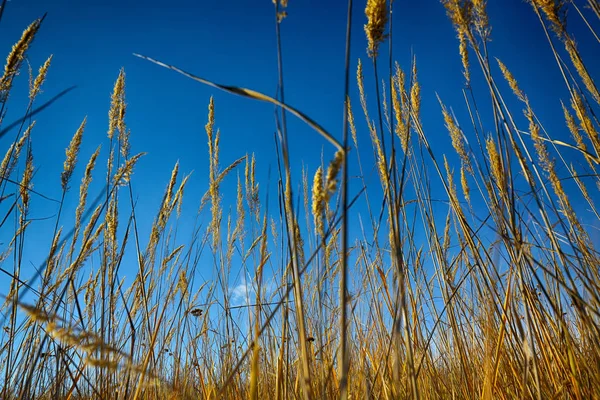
(252, 94)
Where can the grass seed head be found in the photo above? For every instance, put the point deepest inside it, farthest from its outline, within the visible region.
(377, 16)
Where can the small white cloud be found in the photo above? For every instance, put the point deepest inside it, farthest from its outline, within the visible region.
(242, 293)
(245, 292)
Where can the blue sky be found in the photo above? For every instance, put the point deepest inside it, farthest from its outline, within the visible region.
(233, 42)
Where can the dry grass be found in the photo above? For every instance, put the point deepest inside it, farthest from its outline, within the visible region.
(491, 293)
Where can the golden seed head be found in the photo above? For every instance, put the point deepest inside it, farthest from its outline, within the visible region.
(178, 198)
(363, 96)
(124, 172)
(397, 106)
(351, 122)
(457, 138)
(464, 56)
(117, 106)
(72, 152)
(241, 213)
(575, 132)
(534, 129)
(12, 155)
(16, 57)
(415, 93)
(401, 107)
(495, 164)
(5, 162)
(26, 184)
(377, 16)
(512, 82)
(481, 18)
(318, 199)
(585, 121)
(460, 13)
(465, 184)
(171, 186)
(213, 173)
(182, 283)
(554, 11)
(36, 86)
(332, 173)
(588, 81)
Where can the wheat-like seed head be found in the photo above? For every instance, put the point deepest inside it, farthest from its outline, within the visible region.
(72, 152)
(451, 185)
(332, 173)
(111, 220)
(164, 212)
(386, 112)
(549, 167)
(377, 16)
(182, 284)
(481, 17)
(447, 225)
(588, 81)
(465, 184)
(585, 122)
(252, 192)
(512, 82)
(575, 132)
(209, 128)
(26, 183)
(172, 182)
(457, 138)
(178, 198)
(351, 123)
(117, 105)
(89, 238)
(282, 3)
(52, 257)
(38, 315)
(331, 245)
(573, 128)
(305, 194)
(554, 11)
(399, 105)
(83, 191)
(124, 172)
(462, 16)
(542, 152)
(318, 200)
(460, 13)
(363, 96)
(5, 162)
(213, 153)
(90, 294)
(12, 155)
(124, 133)
(464, 56)
(16, 57)
(36, 85)
(496, 165)
(274, 232)
(415, 93)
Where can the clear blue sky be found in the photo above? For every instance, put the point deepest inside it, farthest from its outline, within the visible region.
(233, 42)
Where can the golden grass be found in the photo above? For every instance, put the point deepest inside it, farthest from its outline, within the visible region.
(493, 298)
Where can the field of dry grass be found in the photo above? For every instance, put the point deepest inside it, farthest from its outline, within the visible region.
(496, 297)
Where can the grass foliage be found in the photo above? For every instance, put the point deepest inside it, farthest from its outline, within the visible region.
(491, 292)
